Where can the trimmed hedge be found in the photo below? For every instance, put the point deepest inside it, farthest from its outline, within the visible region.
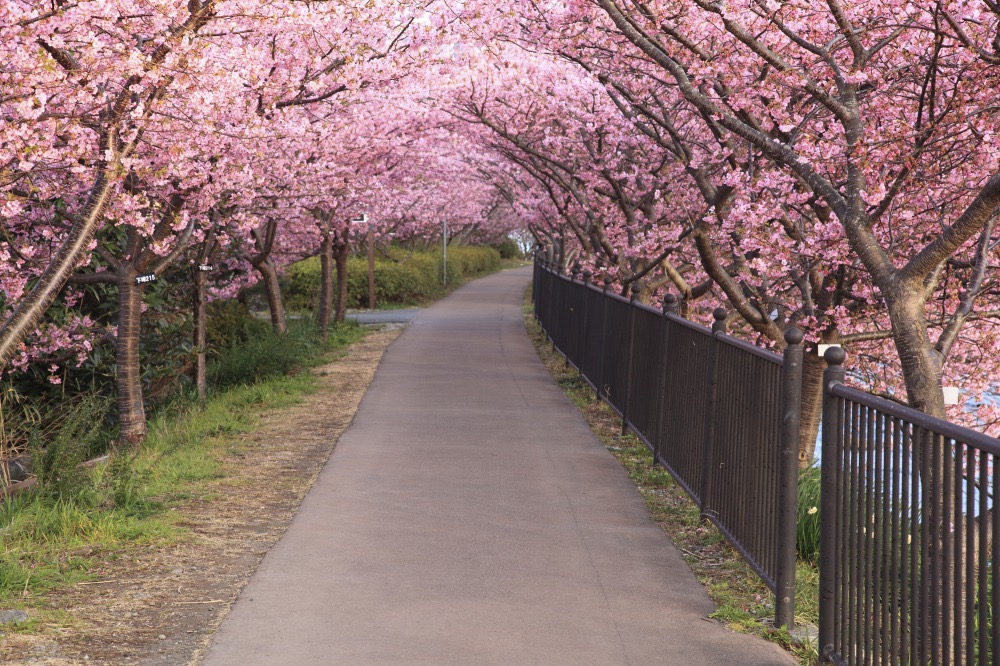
(406, 278)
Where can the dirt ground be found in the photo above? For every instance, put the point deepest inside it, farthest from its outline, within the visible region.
(161, 605)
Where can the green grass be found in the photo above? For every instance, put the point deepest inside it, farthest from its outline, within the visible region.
(50, 541)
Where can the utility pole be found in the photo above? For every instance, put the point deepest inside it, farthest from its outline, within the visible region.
(444, 251)
(371, 257)
(371, 265)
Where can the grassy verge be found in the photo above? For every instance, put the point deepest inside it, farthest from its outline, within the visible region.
(743, 602)
(59, 536)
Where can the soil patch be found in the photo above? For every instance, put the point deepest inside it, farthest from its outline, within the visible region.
(161, 605)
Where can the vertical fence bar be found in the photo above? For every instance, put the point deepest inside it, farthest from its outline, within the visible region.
(571, 343)
(604, 335)
(669, 307)
(585, 326)
(718, 326)
(788, 490)
(534, 287)
(630, 357)
(829, 487)
(554, 305)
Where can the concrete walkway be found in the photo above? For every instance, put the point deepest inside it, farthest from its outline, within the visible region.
(469, 516)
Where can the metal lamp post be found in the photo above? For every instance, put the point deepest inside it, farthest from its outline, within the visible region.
(371, 257)
(444, 252)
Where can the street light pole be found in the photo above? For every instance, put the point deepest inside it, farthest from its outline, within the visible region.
(371, 265)
(371, 257)
(444, 252)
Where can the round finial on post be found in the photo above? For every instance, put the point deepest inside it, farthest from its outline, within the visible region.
(607, 283)
(636, 288)
(587, 275)
(577, 270)
(794, 336)
(670, 304)
(835, 356)
(719, 314)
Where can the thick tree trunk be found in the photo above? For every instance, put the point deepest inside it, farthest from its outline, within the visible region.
(812, 407)
(325, 285)
(922, 376)
(340, 256)
(919, 361)
(128, 376)
(200, 333)
(269, 274)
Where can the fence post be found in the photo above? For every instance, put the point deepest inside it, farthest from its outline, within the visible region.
(718, 326)
(669, 307)
(572, 332)
(556, 304)
(636, 288)
(535, 276)
(540, 308)
(585, 328)
(788, 487)
(604, 333)
(828, 518)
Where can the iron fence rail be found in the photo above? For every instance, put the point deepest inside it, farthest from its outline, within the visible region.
(908, 534)
(707, 405)
(907, 521)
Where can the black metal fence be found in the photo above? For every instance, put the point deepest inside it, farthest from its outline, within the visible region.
(908, 534)
(722, 435)
(907, 523)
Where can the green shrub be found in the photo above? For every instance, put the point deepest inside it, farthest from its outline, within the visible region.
(473, 261)
(266, 354)
(56, 460)
(509, 249)
(807, 526)
(303, 284)
(403, 278)
(229, 323)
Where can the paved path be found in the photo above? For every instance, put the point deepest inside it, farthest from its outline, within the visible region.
(469, 516)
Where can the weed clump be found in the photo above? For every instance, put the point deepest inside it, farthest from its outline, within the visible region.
(266, 355)
(57, 460)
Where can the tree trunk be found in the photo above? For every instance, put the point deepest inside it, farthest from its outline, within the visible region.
(919, 361)
(200, 333)
(325, 284)
(128, 376)
(922, 375)
(812, 407)
(340, 256)
(208, 254)
(269, 274)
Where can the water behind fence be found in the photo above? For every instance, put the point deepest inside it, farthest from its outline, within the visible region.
(907, 519)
